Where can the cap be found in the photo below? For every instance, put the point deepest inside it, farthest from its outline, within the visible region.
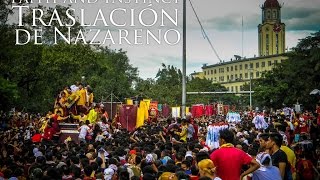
(165, 160)
(149, 158)
(35, 150)
(133, 151)
(37, 154)
(188, 153)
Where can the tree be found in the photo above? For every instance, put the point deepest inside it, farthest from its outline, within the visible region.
(34, 74)
(167, 88)
(205, 85)
(8, 94)
(294, 79)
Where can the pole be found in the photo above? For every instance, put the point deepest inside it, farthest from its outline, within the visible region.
(127, 123)
(184, 62)
(111, 106)
(242, 36)
(221, 92)
(250, 92)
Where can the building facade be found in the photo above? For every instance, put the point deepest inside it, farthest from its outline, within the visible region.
(271, 33)
(197, 75)
(234, 74)
(271, 36)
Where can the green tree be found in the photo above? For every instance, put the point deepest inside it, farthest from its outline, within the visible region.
(205, 85)
(167, 88)
(8, 94)
(294, 79)
(34, 74)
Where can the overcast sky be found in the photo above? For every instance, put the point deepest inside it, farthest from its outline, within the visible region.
(222, 22)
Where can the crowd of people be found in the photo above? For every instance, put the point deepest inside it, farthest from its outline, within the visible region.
(167, 149)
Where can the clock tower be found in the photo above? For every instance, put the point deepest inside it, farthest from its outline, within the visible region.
(271, 31)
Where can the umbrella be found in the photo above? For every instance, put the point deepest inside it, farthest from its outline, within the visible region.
(315, 92)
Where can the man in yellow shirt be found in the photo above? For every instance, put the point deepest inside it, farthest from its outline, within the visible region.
(93, 114)
(184, 131)
(81, 103)
(89, 96)
(291, 158)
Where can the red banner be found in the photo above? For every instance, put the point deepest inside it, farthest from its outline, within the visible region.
(128, 116)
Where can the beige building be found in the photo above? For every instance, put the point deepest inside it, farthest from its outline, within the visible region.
(271, 36)
(234, 74)
(197, 75)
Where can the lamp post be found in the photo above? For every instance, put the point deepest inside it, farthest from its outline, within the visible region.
(250, 92)
(184, 47)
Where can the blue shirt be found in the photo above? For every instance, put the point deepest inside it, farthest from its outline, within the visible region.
(267, 173)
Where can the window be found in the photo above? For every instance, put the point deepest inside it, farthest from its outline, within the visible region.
(263, 64)
(267, 44)
(211, 71)
(268, 14)
(205, 72)
(257, 74)
(251, 75)
(236, 88)
(231, 77)
(227, 69)
(241, 88)
(232, 88)
(236, 77)
(251, 65)
(240, 76)
(269, 63)
(215, 71)
(246, 75)
(235, 68)
(257, 65)
(246, 66)
(215, 79)
(228, 78)
(277, 43)
(231, 68)
(275, 61)
(228, 88)
(240, 66)
(274, 14)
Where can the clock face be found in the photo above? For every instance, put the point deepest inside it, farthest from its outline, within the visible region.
(277, 28)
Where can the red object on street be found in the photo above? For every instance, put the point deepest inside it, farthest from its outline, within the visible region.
(128, 116)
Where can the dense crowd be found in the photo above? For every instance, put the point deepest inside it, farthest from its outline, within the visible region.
(31, 147)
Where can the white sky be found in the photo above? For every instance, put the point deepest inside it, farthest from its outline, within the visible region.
(222, 22)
